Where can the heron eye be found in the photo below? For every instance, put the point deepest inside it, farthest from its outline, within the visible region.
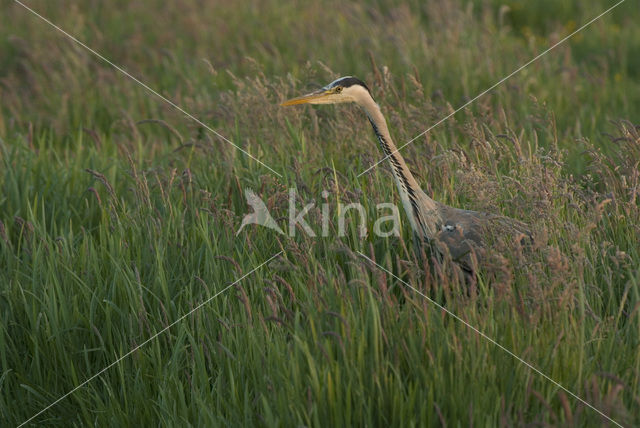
(338, 89)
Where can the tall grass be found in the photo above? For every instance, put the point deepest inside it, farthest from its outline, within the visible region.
(118, 215)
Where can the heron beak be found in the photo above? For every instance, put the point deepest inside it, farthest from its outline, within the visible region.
(311, 98)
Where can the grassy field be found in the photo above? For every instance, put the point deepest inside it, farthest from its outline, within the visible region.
(118, 214)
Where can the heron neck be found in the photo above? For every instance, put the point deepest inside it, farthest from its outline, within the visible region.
(398, 164)
(406, 183)
(420, 208)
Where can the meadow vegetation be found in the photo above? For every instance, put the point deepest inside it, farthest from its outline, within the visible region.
(118, 214)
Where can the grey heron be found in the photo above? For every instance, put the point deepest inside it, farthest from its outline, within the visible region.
(457, 232)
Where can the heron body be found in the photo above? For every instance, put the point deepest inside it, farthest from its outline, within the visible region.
(450, 231)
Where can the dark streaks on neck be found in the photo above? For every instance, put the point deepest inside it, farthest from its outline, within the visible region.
(399, 173)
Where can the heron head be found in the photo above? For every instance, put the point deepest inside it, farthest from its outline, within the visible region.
(347, 89)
